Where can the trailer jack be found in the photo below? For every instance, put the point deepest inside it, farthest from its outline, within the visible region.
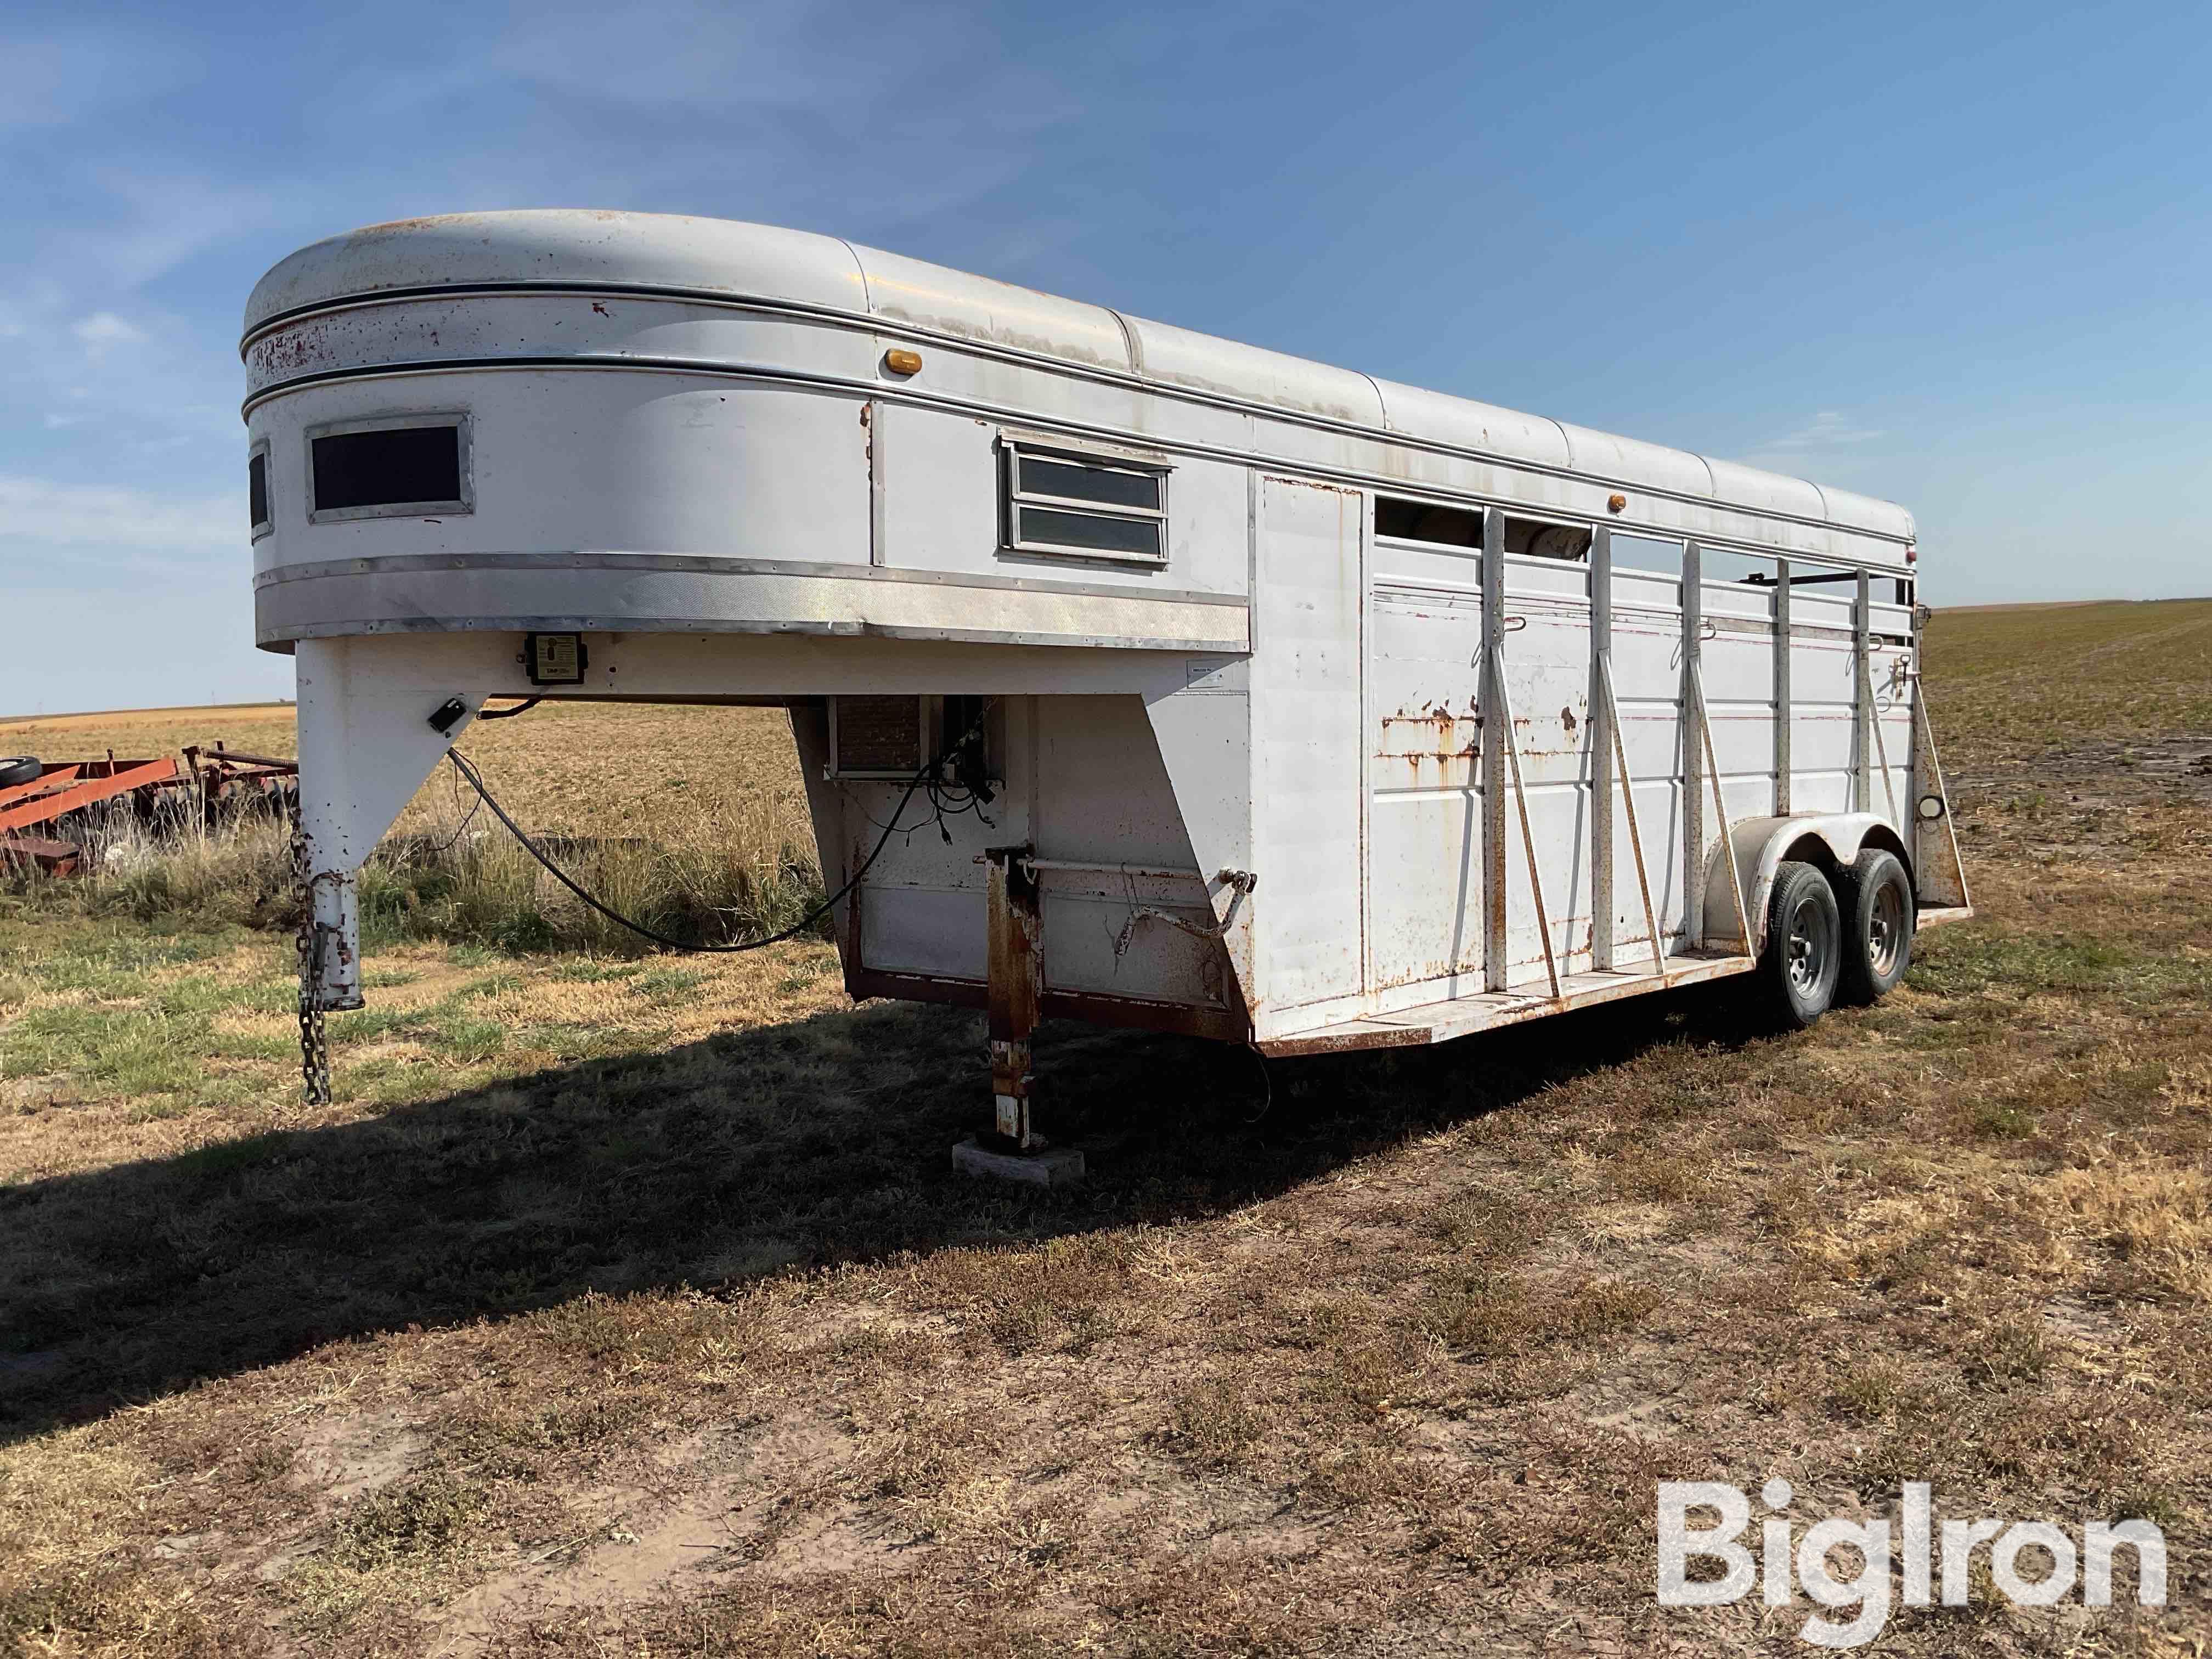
(1014, 1150)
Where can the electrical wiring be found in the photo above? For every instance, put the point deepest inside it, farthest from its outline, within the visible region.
(929, 778)
(475, 781)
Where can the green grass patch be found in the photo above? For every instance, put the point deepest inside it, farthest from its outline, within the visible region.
(593, 972)
(667, 984)
(1972, 961)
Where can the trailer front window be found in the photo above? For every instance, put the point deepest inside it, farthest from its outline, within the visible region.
(257, 490)
(402, 466)
(1084, 504)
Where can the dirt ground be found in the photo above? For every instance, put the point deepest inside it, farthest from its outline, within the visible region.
(620, 1308)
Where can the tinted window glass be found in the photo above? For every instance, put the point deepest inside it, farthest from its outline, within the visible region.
(1138, 536)
(400, 465)
(257, 490)
(1042, 475)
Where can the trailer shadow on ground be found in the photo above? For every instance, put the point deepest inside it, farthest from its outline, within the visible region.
(756, 1152)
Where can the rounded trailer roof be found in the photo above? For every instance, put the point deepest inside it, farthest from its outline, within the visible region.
(720, 257)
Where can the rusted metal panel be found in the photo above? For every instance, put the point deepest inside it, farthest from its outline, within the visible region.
(55, 858)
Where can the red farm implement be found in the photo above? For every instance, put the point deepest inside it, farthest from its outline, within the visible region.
(37, 796)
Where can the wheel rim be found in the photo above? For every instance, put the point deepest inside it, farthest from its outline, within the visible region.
(1885, 930)
(1811, 945)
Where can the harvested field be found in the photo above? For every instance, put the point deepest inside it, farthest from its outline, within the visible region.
(630, 1306)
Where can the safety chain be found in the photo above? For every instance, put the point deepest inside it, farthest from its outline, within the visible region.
(307, 941)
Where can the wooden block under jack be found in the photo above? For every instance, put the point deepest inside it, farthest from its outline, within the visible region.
(1040, 1166)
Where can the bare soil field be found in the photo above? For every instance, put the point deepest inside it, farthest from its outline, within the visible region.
(630, 1306)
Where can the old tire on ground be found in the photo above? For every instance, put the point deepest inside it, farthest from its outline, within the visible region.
(19, 768)
(1804, 950)
(1876, 898)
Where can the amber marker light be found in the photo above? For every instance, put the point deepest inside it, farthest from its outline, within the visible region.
(900, 361)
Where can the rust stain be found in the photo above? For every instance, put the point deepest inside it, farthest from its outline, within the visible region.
(290, 349)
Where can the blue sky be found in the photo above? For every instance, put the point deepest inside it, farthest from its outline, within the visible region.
(1954, 256)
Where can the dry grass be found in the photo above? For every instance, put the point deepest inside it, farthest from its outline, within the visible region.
(569, 769)
(624, 1307)
(692, 821)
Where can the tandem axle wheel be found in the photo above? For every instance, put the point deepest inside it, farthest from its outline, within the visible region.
(1848, 941)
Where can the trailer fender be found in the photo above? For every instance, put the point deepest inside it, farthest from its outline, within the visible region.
(1830, 840)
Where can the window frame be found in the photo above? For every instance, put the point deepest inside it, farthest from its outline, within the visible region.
(266, 524)
(459, 420)
(1013, 446)
(1376, 497)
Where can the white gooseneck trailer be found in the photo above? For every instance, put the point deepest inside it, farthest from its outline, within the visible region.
(1316, 711)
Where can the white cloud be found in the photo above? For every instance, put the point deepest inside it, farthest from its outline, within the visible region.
(1830, 428)
(106, 515)
(104, 329)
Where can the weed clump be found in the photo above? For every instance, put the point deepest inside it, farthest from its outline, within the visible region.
(424, 1518)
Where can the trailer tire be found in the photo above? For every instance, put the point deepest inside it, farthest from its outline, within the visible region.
(1804, 945)
(19, 768)
(1876, 898)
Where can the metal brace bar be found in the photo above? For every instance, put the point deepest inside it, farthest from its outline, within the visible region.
(1881, 743)
(1528, 837)
(1720, 810)
(1635, 835)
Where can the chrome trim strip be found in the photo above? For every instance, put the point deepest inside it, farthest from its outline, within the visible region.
(844, 630)
(705, 564)
(1298, 466)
